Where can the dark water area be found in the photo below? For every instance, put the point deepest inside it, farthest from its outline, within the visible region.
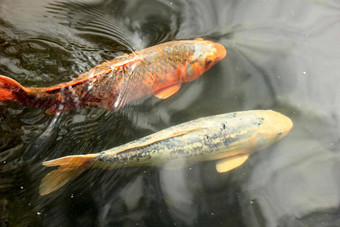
(282, 55)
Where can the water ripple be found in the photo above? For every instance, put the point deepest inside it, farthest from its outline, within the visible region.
(281, 55)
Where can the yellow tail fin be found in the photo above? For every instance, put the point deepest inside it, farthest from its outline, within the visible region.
(69, 168)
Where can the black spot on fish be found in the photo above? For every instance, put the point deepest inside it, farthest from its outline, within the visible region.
(223, 127)
(124, 159)
(100, 157)
(177, 153)
(279, 133)
(259, 122)
(230, 140)
(104, 158)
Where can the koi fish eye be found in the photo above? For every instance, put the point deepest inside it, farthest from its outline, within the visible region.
(205, 61)
(208, 62)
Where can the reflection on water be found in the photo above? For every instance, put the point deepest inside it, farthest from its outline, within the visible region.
(281, 55)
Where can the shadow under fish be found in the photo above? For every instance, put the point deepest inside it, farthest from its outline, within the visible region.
(229, 138)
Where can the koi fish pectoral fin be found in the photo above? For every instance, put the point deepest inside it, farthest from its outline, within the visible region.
(227, 164)
(167, 92)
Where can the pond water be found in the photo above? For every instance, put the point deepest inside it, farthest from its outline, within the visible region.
(282, 55)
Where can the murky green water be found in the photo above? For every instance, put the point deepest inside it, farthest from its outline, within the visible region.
(282, 55)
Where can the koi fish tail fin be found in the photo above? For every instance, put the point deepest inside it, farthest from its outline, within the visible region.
(69, 168)
(10, 89)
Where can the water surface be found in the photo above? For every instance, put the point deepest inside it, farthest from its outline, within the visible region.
(282, 55)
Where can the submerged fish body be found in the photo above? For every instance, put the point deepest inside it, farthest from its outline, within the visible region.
(158, 70)
(229, 138)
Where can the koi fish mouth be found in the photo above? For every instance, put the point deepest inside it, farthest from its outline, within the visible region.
(221, 52)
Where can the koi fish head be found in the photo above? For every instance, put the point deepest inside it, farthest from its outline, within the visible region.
(274, 126)
(205, 55)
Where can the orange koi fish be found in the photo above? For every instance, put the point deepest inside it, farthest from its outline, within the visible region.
(158, 70)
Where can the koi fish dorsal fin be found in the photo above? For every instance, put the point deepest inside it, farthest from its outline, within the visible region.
(167, 92)
(230, 163)
(99, 70)
(151, 140)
